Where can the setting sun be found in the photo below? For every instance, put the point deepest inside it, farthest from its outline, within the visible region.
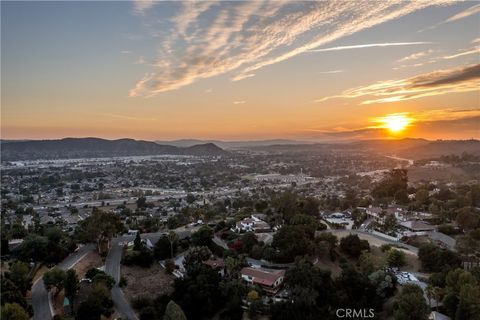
(395, 123)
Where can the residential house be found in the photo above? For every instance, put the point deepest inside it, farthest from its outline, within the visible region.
(251, 224)
(416, 227)
(268, 279)
(379, 214)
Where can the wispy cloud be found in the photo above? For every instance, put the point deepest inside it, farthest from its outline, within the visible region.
(206, 39)
(461, 15)
(239, 102)
(141, 6)
(435, 83)
(463, 53)
(369, 45)
(415, 56)
(465, 13)
(331, 72)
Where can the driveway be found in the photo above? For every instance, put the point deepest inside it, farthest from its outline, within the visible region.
(373, 239)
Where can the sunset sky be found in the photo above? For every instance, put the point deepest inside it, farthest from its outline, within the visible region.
(240, 70)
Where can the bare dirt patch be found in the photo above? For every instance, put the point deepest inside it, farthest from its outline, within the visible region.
(327, 264)
(91, 260)
(141, 281)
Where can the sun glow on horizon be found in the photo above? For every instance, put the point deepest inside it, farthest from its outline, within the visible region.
(395, 123)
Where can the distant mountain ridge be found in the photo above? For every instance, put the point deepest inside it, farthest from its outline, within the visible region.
(70, 148)
(408, 148)
(232, 144)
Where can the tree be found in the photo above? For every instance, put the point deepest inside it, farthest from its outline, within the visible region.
(383, 283)
(98, 303)
(137, 243)
(174, 312)
(19, 275)
(169, 266)
(99, 227)
(70, 284)
(234, 265)
(11, 294)
(421, 199)
(469, 304)
(198, 293)
(203, 237)
(286, 204)
(396, 258)
(458, 305)
(390, 223)
(54, 278)
(468, 244)
(13, 311)
(369, 263)
(353, 246)
(190, 198)
(141, 203)
(100, 277)
(312, 289)
(172, 240)
(356, 290)
(435, 259)
(34, 247)
(393, 186)
(291, 241)
(196, 255)
(166, 246)
(410, 304)
(253, 295)
(467, 219)
(248, 241)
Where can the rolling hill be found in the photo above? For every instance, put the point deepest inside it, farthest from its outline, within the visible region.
(70, 148)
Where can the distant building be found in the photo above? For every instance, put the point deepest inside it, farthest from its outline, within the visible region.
(269, 280)
(252, 224)
(417, 226)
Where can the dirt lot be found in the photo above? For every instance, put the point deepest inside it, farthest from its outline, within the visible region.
(91, 260)
(327, 264)
(416, 174)
(150, 281)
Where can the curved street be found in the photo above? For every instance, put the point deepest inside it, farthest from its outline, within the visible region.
(114, 259)
(41, 303)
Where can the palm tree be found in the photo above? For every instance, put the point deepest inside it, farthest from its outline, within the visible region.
(172, 238)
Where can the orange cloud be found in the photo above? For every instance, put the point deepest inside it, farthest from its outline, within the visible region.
(435, 83)
(207, 39)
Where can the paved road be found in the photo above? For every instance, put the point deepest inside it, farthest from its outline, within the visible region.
(42, 308)
(41, 301)
(220, 242)
(112, 267)
(373, 239)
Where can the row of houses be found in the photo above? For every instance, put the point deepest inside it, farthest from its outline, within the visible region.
(412, 223)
